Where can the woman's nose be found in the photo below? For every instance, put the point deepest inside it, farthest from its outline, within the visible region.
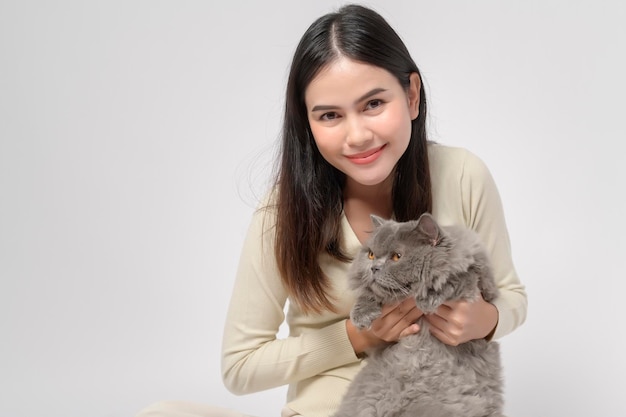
(358, 133)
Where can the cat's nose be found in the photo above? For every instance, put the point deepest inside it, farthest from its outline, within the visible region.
(375, 268)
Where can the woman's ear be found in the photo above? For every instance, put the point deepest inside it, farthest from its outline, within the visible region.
(413, 94)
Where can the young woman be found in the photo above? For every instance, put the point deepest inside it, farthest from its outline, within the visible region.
(354, 143)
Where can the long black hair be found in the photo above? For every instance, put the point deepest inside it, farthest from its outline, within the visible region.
(309, 197)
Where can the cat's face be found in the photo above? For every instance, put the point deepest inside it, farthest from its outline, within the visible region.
(398, 260)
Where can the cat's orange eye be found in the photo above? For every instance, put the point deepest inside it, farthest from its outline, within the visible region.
(396, 256)
(370, 255)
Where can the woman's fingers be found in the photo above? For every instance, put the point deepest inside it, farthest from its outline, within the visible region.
(397, 321)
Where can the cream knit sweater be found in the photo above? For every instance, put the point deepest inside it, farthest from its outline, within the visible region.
(317, 359)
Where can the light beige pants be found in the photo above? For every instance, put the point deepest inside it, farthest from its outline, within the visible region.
(188, 409)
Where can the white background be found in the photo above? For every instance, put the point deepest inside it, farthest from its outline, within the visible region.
(136, 136)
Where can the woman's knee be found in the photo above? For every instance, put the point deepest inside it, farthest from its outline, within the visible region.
(185, 409)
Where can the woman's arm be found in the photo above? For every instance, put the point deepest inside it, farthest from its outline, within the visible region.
(253, 359)
(457, 322)
(483, 213)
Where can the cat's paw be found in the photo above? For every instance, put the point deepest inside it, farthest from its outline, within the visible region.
(363, 319)
(360, 322)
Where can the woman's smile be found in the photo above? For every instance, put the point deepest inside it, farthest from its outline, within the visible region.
(366, 157)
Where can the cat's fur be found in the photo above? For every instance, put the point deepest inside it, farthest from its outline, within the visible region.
(419, 376)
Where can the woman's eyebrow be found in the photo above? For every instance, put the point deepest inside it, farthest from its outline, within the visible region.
(322, 107)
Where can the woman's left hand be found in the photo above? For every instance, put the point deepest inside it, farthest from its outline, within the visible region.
(456, 322)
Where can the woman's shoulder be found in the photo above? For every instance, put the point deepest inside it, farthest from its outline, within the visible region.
(454, 166)
(452, 161)
(446, 156)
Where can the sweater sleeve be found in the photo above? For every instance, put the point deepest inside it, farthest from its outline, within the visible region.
(483, 212)
(253, 358)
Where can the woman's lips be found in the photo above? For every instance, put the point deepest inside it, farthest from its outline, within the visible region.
(366, 157)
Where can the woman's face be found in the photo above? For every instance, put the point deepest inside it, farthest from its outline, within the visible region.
(361, 117)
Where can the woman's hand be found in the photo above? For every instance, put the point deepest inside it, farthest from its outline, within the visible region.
(395, 322)
(456, 322)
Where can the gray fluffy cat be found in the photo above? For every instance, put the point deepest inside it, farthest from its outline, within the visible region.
(420, 376)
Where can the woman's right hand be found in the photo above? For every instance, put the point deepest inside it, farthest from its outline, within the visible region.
(395, 322)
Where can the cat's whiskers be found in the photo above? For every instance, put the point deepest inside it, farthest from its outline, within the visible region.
(393, 286)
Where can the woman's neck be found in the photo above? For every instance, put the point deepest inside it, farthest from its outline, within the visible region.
(359, 202)
(364, 199)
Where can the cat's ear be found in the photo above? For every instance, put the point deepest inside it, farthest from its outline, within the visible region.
(429, 227)
(377, 221)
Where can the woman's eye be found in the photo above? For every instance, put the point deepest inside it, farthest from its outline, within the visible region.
(370, 255)
(373, 104)
(396, 256)
(328, 116)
